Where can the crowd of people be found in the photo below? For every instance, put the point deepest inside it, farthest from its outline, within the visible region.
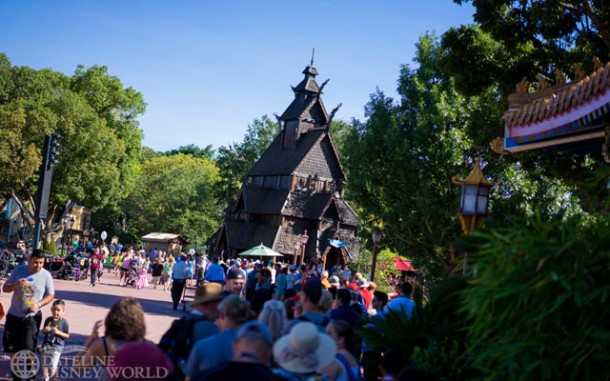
(248, 319)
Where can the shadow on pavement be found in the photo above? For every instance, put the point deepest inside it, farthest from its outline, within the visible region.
(157, 307)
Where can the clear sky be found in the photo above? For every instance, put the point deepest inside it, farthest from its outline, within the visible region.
(208, 68)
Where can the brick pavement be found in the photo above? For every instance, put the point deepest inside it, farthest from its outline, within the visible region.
(85, 305)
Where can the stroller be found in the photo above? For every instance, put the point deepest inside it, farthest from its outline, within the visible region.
(132, 273)
(71, 269)
(55, 265)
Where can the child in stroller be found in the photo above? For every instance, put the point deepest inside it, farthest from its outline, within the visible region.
(132, 273)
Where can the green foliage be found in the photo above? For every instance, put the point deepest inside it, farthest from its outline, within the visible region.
(95, 115)
(513, 40)
(537, 300)
(195, 151)
(175, 194)
(235, 161)
(406, 187)
(434, 340)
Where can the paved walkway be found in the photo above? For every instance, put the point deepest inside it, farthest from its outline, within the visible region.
(85, 305)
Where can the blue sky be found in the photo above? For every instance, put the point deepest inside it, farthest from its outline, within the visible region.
(209, 68)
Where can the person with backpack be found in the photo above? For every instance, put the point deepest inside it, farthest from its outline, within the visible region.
(179, 340)
(313, 311)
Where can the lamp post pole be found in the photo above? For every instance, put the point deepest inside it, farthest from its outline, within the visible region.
(304, 239)
(474, 202)
(376, 236)
(297, 249)
(65, 224)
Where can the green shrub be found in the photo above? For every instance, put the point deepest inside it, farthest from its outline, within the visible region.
(537, 303)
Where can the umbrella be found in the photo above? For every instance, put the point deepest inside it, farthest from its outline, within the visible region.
(403, 265)
(260, 251)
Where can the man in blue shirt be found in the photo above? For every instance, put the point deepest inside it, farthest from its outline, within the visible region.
(402, 303)
(215, 272)
(179, 275)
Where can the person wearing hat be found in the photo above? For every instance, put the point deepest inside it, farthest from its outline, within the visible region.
(252, 351)
(199, 324)
(367, 295)
(304, 353)
(236, 280)
(334, 281)
(217, 349)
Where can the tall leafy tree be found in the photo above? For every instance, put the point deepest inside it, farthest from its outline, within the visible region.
(516, 39)
(401, 159)
(95, 115)
(175, 194)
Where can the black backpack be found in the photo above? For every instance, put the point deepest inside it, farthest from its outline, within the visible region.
(178, 341)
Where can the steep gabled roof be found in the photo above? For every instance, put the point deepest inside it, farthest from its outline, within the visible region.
(244, 235)
(306, 205)
(298, 107)
(264, 201)
(278, 161)
(323, 153)
(314, 207)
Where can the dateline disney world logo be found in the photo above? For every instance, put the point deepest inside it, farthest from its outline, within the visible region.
(26, 364)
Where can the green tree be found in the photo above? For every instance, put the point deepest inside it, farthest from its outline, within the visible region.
(175, 194)
(236, 160)
(194, 150)
(401, 159)
(95, 115)
(517, 39)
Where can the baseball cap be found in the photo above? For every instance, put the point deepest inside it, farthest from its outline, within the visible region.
(236, 274)
(256, 330)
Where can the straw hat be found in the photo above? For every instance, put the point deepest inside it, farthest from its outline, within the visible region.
(208, 292)
(304, 349)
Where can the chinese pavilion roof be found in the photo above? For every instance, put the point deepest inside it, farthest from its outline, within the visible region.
(563, 114)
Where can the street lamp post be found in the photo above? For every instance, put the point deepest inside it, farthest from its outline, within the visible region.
(304, 239)
(376, 235)
(297, 249)
(474, 201)
(64, 223)
(70, 225)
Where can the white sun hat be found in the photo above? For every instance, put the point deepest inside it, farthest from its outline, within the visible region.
(304, 349)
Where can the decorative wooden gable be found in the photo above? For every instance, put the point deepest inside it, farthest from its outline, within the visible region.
(570, 116)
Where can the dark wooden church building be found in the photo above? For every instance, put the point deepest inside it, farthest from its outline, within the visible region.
(292, 200)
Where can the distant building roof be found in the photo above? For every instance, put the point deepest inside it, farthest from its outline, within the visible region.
(164, 237)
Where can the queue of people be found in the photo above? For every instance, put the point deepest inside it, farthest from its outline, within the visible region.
(248, 320)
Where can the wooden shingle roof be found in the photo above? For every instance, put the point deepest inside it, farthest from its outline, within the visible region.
(264, 201)
(298, 107)
(244, 235)
(313, 206)
(278, 161)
